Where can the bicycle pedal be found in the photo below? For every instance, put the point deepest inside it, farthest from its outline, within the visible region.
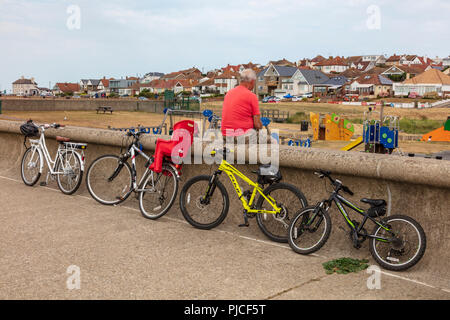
(43, 184)
(244, 225)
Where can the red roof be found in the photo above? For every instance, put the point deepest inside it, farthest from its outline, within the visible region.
(68, 87)
(338, 61)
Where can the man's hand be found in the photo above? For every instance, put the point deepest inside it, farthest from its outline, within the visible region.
(257, 124)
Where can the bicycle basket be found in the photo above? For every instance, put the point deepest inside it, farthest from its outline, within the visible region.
(268, 174)
(29, 129)
(378, 211)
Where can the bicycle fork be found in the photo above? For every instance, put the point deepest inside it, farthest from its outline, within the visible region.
(211, 188)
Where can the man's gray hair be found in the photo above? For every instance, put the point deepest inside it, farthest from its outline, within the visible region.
(248, 75)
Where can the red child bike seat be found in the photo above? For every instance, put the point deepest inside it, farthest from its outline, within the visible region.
(177, 147)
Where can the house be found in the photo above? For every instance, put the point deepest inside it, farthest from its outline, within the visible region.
(150, 76)
(122, 86)
(311, 63)
(371, 86)
(331, 86)
(226, 81)
(351, 73)
(270, 78)
(192, 73)
(206, 86)
(332, 65)
(103, 86)
(402, 72)
(393, 60)
(283, 62)
(66, 88)
(377, 59)
(89, 85)
(446, 71)
(431, 80)
(25, 87)
(363, 66)
(301, 82)
(446, 62)
(161, 85)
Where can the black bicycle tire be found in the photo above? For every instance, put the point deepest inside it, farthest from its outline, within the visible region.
(92, 192)
(259, 203)
(319, 244)
(185, 213)
(141, 194)
(21, 169)
(417, 257)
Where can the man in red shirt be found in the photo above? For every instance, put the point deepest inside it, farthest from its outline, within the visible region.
(240, 112)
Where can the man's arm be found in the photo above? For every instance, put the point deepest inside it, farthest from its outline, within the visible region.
(257, 124)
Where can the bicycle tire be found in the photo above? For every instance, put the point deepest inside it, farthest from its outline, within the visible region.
(184, 200)
(36, 178)
(58, 177)
(321, 241)
(416, 258)
(280, 236)
(145, 212)
(124, 191)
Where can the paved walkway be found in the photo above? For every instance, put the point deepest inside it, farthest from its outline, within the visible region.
(121, 255)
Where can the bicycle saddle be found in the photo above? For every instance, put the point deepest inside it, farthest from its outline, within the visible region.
(62, 139)
(374, 202)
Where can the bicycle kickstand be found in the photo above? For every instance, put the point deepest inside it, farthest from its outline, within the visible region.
(45, 183)
(245, 224)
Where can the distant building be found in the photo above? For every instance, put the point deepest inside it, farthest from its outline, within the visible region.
(66, 88)
(150, 76)
(25, 87)
(431, 80)
(122, 86)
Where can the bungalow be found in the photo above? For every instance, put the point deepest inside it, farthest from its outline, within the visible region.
(371, 86)
(402, 72)
(283, 62)
(431, 80)
(363, 66)
(25, 87)
(192, 73)
(311, 63)
(377, 59)
(332, 65)
(66, 88)
(206, 86)
(331, 86)
(150, 76)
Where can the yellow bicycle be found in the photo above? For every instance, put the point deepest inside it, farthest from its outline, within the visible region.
(205, 208)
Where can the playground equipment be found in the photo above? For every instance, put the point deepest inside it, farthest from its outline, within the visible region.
(300, 143)
(149, 130)
(352, 145)
(440, 134)
(180, 102)
(331, 127)
(380, 136)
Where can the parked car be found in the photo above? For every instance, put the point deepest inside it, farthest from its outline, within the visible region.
(266, 99)
(307, 95)
(143, 98)
(274, 100)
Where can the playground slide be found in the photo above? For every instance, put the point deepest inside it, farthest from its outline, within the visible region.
(437, 135)
(353, 144)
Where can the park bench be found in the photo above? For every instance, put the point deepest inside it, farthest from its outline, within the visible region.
(105, 109)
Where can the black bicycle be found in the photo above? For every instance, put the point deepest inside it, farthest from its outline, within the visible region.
(397, 242)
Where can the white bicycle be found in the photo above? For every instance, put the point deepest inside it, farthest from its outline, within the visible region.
(67, 167)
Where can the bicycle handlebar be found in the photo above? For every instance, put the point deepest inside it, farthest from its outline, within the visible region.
(336, 183)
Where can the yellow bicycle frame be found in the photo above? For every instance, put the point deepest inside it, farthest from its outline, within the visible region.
(231, 172)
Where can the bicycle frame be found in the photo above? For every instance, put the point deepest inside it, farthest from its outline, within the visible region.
(133, 152)
(340, 202)
(231, 172)
(39, 145)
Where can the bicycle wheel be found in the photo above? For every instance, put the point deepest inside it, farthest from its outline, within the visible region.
(70, 166)
(160, 190)
(200, 214)
(306, 236)
(290, 199)
(108, 180)
(30, 167)
(407, 248)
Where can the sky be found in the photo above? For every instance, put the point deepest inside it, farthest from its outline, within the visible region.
(65, 41)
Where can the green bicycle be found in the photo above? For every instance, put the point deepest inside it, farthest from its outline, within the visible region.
(205, 208)
(397, 242)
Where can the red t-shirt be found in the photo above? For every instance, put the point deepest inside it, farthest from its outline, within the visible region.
(239, 107)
